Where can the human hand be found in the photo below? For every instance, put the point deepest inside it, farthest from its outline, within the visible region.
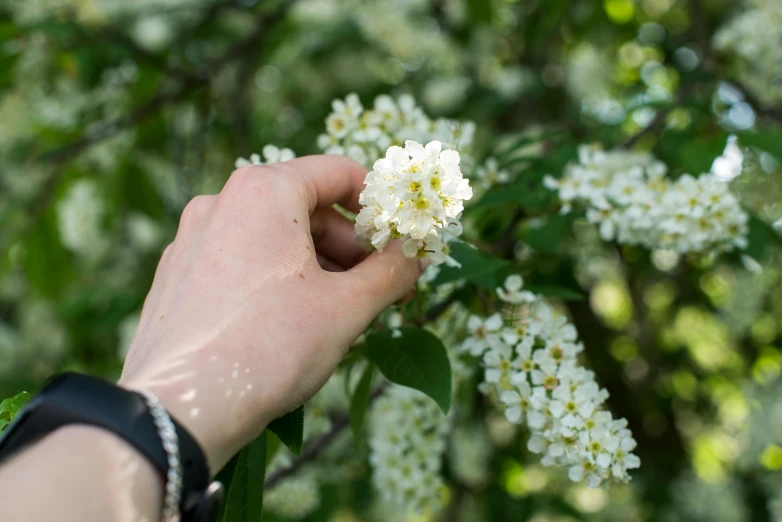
(258, 298)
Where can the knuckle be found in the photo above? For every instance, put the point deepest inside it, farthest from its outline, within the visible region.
(167, 253)
(195, 209)
(253, 181)
(246, 177)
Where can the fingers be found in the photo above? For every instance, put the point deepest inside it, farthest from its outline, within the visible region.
(330, 179)
(328, 265)
(382, 279)
(335, 238)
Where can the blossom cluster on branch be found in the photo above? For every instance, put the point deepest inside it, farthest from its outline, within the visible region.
(529, 355)
(407, 443)
(629, 197)
(752, 37)
(415, 194)
(365, 134)
(271, 154)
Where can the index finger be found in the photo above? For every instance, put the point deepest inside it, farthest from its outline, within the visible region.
(330, 179)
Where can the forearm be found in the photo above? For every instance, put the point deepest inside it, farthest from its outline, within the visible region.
(80, 473)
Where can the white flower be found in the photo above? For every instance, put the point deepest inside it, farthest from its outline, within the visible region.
(729, 165)
(530, 364)
(295, 497)
(414, 194)
(363, 134)
(517, 402)
(512, 292)
(79, 217)
(497, 362)
(631, 201)
(407, 441)
(490, 174)
(483, 334)
(271, 154)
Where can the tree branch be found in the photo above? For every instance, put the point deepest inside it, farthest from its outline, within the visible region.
(187, 86)
(313, 449)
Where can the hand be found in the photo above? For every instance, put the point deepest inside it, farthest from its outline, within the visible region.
(258, 298)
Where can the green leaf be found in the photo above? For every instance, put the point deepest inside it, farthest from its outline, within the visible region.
(769, 141)
(245, 496)
(547, 237)
(360, 401)
(11, 406)
(290, 429)
(528, 193)
(417, 359)
(273, 444)
(759, 236)
(477, 267)
(559, 292)
(696, 156)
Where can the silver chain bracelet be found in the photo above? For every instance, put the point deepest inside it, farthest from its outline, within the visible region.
(170, 440)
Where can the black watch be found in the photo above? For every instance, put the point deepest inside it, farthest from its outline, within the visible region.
(80, 399)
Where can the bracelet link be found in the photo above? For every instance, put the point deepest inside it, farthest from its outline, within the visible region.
(170, 442)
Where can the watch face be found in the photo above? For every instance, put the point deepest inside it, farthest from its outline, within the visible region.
(208, 508)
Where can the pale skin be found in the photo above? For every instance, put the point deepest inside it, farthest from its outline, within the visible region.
(252, 307)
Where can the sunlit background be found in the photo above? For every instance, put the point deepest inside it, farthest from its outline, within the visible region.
(113, 114)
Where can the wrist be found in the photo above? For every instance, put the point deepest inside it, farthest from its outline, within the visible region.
(187, 414)
(205, 419)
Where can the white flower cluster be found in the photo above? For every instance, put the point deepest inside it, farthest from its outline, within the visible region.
(415, 194)
(79, 217)
(407, 441)
(628, 195)
(271, 154)
(753, 38)
(406, 32)
(364, 134)
(298, 495)
(294, 498)
(469, 453)
(530, 362)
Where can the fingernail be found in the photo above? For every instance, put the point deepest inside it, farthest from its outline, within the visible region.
(423, 262)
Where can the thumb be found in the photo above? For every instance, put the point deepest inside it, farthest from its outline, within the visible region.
(383, 278)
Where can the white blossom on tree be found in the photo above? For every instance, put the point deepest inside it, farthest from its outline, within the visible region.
(415, 194)
(530, 363)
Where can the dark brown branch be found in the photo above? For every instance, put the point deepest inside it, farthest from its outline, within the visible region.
(314, 448)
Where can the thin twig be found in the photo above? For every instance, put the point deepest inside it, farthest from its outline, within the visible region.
(313, 449)
(654, 125)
